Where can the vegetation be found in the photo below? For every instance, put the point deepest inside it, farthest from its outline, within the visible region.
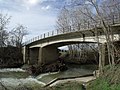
(10, 56)
(109, 80)
(84, 14)
(10, 42)
(91, 14)
(94, 14)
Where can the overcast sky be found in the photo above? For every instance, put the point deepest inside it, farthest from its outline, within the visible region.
(38, 16)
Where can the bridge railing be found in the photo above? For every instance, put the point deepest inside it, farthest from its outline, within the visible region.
(90, 24)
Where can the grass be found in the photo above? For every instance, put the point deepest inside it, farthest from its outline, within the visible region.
(102, 84)
(109, 80)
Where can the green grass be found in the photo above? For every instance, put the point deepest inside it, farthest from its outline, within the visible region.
(102, 84)
(109, 80)
(99, 84)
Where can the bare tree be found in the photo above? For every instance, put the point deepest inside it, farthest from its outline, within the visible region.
(93, 14)
(63, 21)
(72, 19)
(4, 21)
(17, 34)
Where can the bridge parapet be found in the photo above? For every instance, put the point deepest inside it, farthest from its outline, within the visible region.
(87, 25)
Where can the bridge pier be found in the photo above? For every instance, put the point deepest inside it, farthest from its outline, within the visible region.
(48, 54)
(25, 52)
(34, 53)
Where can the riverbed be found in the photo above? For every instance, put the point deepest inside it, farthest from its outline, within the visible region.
(16, 77)
(73, 70)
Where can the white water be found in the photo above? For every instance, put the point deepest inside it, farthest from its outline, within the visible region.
(8, 80)
(12, 70)
(41, 80)
(17, 82)
(46, 74)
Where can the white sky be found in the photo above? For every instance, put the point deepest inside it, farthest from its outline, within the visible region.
(39, 16)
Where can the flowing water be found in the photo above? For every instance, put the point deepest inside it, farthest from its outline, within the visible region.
(73, 70)
(15, 77)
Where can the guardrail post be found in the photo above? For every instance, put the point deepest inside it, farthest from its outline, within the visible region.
(41, 36)
(83, 37)
(63, 30)
(70, 29)
(33, 40)
(57, 31)
(48, 34)
(79, 26)
(88, 24)
(38, 37)
(44, 35)
(52, 33)
(119, 17)
(113, 22)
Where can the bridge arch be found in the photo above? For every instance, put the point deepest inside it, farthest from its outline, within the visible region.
(48, 53)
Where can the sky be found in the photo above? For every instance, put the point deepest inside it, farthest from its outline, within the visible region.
(39, 16)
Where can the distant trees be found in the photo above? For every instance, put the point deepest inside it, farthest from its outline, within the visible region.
(10, 42)
(63, 21)
(17, 34)
(4, 21)
(87, 14)
(105, 13)
(72, 19)
(12, 37)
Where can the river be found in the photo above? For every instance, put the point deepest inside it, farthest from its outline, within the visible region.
(73, 70)
(14, 77)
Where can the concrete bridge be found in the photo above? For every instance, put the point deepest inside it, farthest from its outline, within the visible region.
(44, 50)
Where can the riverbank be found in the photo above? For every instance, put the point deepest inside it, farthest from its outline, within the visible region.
(109, 80)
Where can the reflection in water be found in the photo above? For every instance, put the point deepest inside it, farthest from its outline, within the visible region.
(12, 70)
